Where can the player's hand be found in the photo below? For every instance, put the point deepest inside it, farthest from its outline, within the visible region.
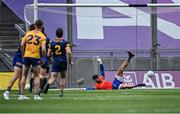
(99, 59)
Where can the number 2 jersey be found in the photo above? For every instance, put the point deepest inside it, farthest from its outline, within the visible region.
(34, 40)
(58, 49)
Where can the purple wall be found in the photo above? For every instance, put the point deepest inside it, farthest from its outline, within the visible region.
(162, 79)
(51, 20)
(114, 32)
(129, 36)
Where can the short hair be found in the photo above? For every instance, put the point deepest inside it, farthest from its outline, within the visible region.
(32, 27)
(95, 76)
(39, 24)
(43, 31)
(59, 32)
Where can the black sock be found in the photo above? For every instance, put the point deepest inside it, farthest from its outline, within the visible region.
(140, 85)
(39, 93)
(9, 89)
(46, 87)
(40, 85)
(43, 83)
(129, 58)
(31, 84)
(31, 81)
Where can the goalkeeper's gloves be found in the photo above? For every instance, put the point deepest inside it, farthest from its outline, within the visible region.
(99, 59)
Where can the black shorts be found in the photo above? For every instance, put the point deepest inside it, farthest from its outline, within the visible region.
(17, 61)
(31, 61)
(59, 66)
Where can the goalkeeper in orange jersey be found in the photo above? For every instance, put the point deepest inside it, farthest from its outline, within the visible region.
(102, 84)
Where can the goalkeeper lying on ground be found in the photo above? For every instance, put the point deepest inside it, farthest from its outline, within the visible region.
(102, 84)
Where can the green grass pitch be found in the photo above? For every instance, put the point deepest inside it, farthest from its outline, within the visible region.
(114, 101)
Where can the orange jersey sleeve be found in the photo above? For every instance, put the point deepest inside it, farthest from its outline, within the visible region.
(33, 41)
(104, 85)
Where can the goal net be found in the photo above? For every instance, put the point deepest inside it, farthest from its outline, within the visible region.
(153, 33)
(111, 28)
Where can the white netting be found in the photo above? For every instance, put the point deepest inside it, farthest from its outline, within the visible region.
(91, 23)
(59, 10)
(109, 31)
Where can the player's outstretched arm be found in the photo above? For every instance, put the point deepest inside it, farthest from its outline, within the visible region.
(89, 88)
(99, 60)
(100, 66)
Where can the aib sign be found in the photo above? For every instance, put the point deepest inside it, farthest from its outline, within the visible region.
(162, 79)
(130, 78)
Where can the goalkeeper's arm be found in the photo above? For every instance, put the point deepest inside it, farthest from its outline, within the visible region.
(88, 89)
(101, 67)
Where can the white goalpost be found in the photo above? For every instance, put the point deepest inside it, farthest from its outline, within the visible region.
(106, 5)
(36, 5)
(35, 10)
(90, 21)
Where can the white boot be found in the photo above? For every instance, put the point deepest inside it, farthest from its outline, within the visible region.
(6, 95)
(23, 97)
(37, 97)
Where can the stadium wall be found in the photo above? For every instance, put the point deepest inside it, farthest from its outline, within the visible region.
(86, 67)
(104, 31)
(113, 39)
(4, 80)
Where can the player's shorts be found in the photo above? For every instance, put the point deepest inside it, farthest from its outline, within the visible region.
(17, 61)
(59, 66)
(31, 61)
(45, 64)
(117, 82)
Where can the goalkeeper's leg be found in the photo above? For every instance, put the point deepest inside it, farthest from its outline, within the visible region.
(130, 86)
(125, 63)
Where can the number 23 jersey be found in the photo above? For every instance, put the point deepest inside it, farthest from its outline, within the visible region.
(34, 40)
